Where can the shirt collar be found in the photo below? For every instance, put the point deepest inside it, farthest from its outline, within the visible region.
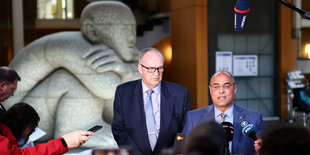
(229, 113)
(155, 89)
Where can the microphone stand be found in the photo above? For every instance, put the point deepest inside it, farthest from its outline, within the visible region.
(305, 14)
(225, 149)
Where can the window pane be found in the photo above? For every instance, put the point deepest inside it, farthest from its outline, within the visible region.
(55, 9)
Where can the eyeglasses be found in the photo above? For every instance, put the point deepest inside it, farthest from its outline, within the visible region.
(226, 86)
(11, 87)
(153, 69)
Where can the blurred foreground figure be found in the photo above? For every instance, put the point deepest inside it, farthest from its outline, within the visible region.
(285, 139)
(207, 137)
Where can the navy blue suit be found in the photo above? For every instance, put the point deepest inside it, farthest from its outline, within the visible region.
(129, 125)
(2, 109)
(241, 144)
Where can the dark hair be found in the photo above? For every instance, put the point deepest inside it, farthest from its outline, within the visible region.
(19, 117)
(206, 137)
(8, 75)
(285, 139)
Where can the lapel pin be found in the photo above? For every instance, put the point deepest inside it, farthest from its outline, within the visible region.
(244, 123)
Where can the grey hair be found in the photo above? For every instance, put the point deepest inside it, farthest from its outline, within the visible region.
(148, 49)
(223, 71)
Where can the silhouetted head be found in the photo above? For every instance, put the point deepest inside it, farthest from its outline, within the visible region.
(285, 139)
(206, 137)
(22, 119)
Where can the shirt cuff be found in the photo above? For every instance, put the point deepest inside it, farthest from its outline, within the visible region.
(63, 142)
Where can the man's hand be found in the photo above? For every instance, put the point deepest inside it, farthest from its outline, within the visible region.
(77, 138)
(258, 144)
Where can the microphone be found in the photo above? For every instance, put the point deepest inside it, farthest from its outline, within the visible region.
(241, 11)
(249, 130)
(228, 130)
(303, 13)
(179, 144)
(228, 136)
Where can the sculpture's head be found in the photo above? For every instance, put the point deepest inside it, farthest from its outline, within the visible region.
(111, 23)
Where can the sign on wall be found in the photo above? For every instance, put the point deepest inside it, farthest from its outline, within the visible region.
(223, 61)
(245, 65)
(237, 65)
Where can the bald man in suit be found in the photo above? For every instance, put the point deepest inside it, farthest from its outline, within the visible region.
(223, 89)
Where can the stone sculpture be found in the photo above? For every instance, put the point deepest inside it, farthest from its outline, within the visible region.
(70, 77)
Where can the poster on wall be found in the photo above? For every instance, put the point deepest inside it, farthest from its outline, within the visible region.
(245, 65)
(223, 61)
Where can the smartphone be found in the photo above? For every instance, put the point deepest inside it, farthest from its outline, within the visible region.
(95, 128)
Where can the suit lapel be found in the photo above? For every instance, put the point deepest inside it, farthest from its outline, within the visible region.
(166, 112)
(238, 118)
(2, 109)
(209, 114)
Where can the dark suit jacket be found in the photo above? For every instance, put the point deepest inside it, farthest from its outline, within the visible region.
(241, 144)
(129, 125)
(2, 109)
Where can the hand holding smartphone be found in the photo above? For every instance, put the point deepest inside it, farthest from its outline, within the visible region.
(95, 128)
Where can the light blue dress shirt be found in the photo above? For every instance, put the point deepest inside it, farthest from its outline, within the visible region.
(155, 103)
(228, 118)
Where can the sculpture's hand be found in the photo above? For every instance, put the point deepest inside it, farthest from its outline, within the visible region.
(103, 59)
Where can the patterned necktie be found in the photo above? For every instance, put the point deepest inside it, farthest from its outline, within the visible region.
(150, 119)
(223, 115)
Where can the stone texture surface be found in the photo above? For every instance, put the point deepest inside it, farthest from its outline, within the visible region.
(70, 77)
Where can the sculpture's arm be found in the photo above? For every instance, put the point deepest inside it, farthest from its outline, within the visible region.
(43, 56)
(31, 67)
(103, 59)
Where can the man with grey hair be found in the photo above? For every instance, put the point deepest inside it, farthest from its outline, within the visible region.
(8, 84)
(148, 113)
(222, 90)
(70, 77)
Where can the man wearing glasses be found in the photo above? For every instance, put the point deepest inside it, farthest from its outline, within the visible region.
(222, 90)
(148, 113)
